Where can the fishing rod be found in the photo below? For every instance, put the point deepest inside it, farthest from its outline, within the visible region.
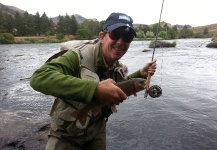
(155, 90)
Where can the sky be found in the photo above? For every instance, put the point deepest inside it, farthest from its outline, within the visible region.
(183, 12)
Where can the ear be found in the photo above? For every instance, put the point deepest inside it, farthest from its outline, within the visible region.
(101, 36)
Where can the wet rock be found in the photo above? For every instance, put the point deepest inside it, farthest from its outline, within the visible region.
(146, 50)
(158, 44)
(25, 78)
(212, 44)
(45, 127)
(18, 144)
(34, 140)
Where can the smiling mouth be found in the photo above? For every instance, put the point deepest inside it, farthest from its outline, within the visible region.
(118, 49)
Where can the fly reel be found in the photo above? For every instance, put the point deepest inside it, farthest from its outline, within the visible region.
(155, 91)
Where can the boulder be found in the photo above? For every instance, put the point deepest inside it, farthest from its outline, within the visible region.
(162, 44)
(212, 44)
(146, 50)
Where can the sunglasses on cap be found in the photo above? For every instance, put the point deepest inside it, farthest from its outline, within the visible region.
(127, 37)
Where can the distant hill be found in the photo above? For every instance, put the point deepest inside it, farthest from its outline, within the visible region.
(212, 28)
(162, 24)
(78, 18)
(10, 9)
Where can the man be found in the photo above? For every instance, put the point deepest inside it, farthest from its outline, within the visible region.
(83, 76)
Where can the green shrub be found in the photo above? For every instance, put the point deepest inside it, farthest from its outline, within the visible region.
(214, 38)
(140, 34)
(60, 36)
(30, 40)
(83, 34)
(6, 38)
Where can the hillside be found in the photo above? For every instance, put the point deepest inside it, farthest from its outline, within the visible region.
(212, 28)
(78, 18)
(10, 9)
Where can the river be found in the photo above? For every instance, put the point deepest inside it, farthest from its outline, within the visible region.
(183, 118)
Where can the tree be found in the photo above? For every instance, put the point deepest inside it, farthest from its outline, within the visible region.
(149, 34)
(19, 24)
(10, 24)
(37, 22)
(28, 24)
(155, 27)
(140, 26)
(73, 25)
(145, 28)
(67, 24)
(185, 33)
(163, 34)
(45, 24)
(165, 27)
(140, 34)
(174, 28)
(171, 34)
(101, 23)
(92, 25)
(6, 38)
(205, 31)
(84, 34)
(61, 25)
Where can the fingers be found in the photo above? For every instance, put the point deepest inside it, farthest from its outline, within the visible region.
(121, 97)
(118, 96)
(107, 92)
(152, 67)
(153, 63)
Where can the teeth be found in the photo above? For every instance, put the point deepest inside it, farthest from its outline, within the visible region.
(118, 49)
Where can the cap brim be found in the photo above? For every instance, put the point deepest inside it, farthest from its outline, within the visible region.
(117, 25)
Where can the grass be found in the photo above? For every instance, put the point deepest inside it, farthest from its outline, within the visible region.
(40, 39)
(212, 30)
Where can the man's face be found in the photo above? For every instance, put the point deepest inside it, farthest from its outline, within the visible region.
(115, 44)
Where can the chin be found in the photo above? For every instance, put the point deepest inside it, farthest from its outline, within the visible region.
(117, 57)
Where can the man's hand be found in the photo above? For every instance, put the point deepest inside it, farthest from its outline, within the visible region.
(107, 92)
(148, 68)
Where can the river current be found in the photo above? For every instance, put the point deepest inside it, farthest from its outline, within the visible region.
(183, 118)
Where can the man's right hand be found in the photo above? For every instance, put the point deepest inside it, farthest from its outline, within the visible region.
(107, 92)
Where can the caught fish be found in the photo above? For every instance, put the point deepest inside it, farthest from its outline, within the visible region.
(129, 87)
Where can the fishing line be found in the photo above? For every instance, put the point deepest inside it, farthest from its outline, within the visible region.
(156, 36)
(155, 90)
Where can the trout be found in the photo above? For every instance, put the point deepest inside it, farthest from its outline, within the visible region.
(129, 87)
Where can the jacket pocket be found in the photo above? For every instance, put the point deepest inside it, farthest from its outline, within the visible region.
(63, 119)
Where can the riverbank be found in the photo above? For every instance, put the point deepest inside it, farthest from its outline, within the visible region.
(53, 39)
(40, 39)
(35, 139)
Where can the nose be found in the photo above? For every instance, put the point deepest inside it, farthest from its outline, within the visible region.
(120, 40)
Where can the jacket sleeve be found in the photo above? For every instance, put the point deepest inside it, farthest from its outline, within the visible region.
(136, 74)
(60, 78)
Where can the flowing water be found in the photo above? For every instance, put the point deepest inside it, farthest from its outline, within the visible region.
(183, 118)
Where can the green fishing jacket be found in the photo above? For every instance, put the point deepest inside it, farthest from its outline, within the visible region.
(61, 77)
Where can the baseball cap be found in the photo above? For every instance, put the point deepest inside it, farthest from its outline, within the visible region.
(116, 20)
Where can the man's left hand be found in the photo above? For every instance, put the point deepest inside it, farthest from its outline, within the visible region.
(150, 67)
